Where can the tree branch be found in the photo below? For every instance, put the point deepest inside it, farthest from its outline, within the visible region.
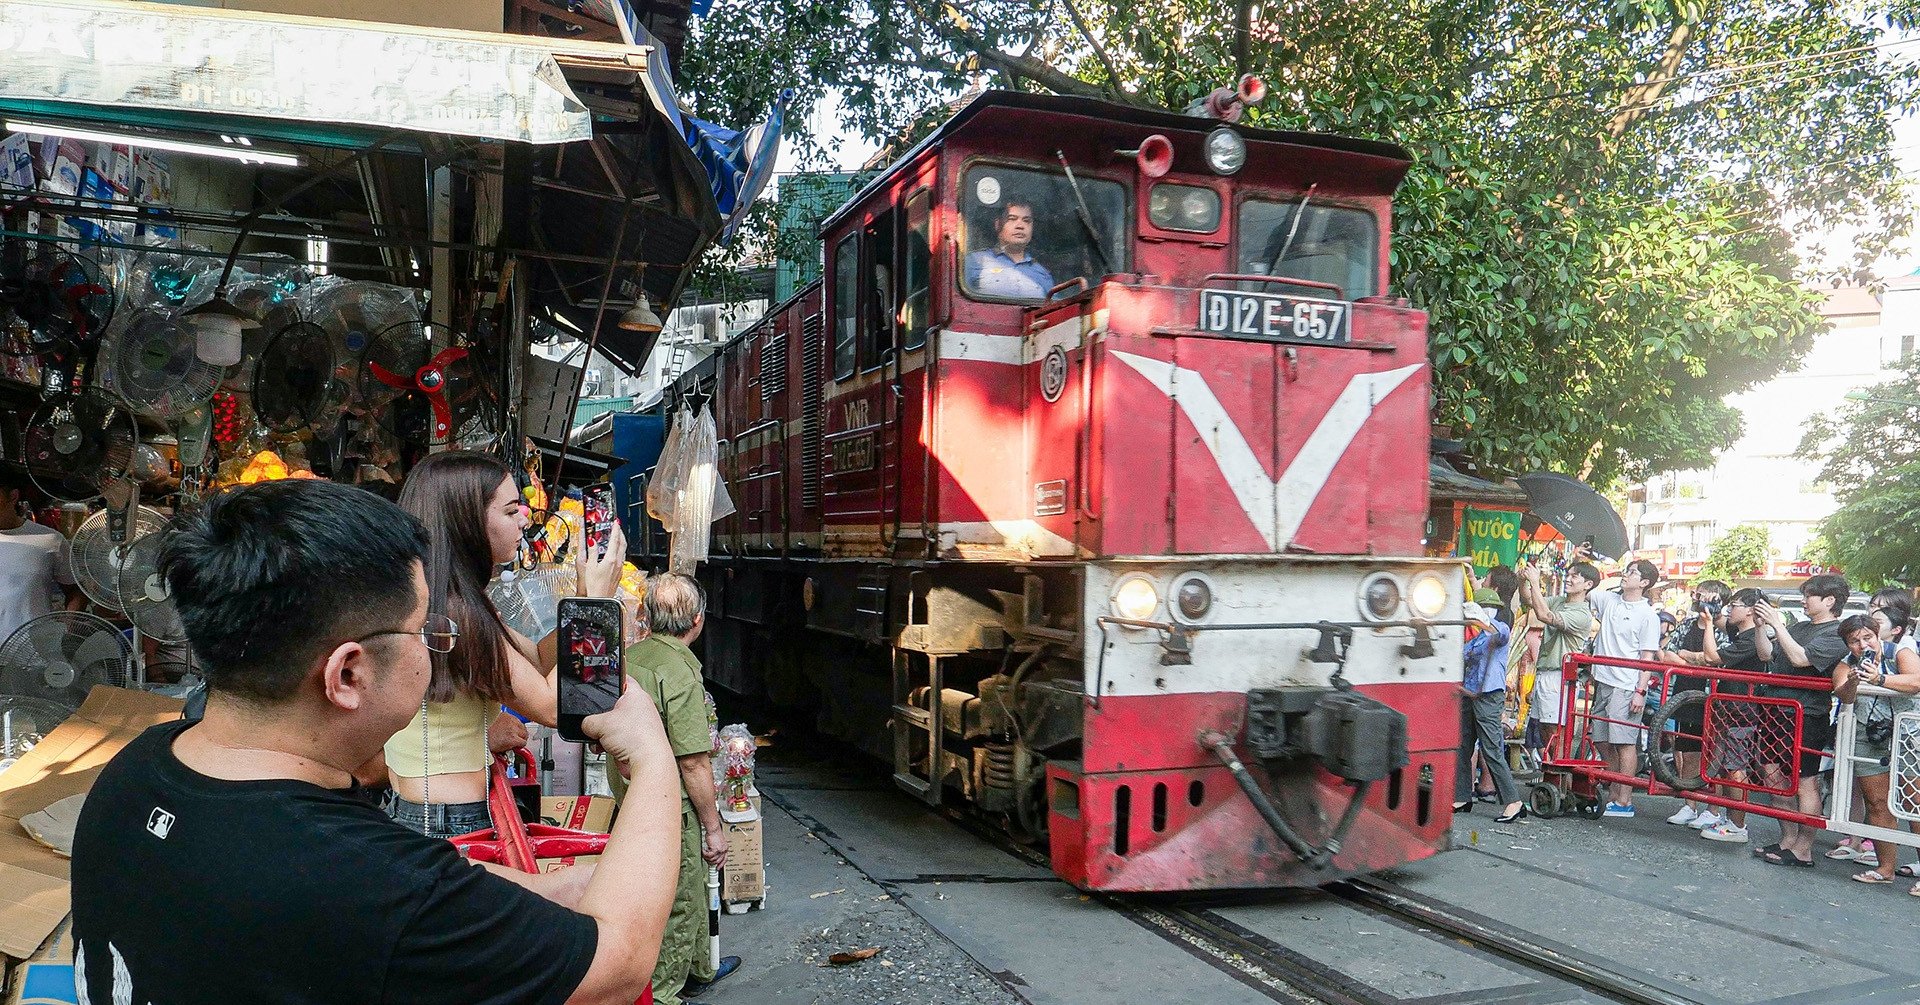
(1638, 101)
(1113, 76)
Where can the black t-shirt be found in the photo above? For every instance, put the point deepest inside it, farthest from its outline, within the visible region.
(1692, 640)
(1742, 652)
(195, 889)
(1824, 648)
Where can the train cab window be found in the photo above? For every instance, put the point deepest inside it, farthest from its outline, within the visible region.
(916, 268)
(1323, 244)
(846, 308)
(1024, 233)
(876, 325)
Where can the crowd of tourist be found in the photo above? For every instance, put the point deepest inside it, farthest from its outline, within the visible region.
(1755, 724)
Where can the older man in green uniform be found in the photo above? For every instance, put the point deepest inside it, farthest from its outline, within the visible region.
(663, 664)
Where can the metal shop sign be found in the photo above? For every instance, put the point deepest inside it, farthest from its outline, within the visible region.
(211, 61)
(1490, 537)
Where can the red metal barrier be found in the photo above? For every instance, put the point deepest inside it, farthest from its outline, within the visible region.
(1737, 735)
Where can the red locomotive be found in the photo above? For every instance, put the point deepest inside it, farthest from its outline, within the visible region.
(1084, 485)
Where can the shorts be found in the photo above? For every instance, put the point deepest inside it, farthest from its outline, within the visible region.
(1816, 737)
(1689, 726)
(1616, 704)
(1732, 750)
(1869, 758)
(1547, 699)
(440, 820)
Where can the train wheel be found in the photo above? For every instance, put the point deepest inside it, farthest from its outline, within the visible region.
(1543, 800)
(1027, 824)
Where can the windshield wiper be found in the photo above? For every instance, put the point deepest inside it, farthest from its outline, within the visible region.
(1273, 267)
(1086, 217)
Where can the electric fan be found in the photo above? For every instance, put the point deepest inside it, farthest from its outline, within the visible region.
(159, 278)
(24, 722)
(352, 311)
(295, 383)
(98, 557)
(156, 369)
(143, 591)
(268, 302)
(59, 657)
(78, 442)
(398, 363)
(52, 303)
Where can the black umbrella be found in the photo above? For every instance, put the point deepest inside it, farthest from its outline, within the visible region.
(1570, 507)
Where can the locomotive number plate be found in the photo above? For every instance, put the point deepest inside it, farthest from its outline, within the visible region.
(1237, 314)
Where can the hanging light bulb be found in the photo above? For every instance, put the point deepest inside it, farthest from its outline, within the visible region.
(640, 317)
(217, 326)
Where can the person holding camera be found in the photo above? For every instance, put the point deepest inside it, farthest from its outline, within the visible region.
(1807, 648)
(1867, 663)
(1698, 644)
(1564, 624)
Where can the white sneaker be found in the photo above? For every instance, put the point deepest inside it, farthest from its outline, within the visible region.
(1685, 815)
(1725, 831)
(1707, 819)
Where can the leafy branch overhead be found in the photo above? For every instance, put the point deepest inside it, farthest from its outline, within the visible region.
(1608, 196)
(1869, 453)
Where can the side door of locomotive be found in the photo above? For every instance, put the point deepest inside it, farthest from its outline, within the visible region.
(852, 498)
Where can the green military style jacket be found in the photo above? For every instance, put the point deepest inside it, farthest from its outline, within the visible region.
(670, 673)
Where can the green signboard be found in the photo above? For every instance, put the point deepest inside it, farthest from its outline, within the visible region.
(1490, 537)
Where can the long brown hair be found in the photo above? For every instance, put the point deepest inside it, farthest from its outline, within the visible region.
(449, 492)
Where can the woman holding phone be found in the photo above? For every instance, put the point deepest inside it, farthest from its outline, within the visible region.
(475, 519)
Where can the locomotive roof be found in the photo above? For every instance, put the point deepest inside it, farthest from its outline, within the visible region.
(1108, 111)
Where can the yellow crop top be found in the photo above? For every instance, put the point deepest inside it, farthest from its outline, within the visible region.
(452, 735)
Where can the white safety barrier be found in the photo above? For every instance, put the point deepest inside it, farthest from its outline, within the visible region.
(1903, 787)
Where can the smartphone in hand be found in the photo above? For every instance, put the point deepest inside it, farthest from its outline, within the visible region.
(596, 506)
(591, 660)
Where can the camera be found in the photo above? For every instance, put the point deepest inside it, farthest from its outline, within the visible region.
(1710, 607)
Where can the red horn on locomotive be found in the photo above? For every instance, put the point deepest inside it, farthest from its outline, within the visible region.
(1095, 498)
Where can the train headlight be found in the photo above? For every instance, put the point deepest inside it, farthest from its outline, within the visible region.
(1226, 151)
(1136, 598)
(1427, 596)
(1193, 597)
(1380, 597)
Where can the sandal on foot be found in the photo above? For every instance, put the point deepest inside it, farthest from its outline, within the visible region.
(1871, 878)
(1783, 857)
(1909, 871)
(1915, 892)
(1844, 853)
(1766, 849)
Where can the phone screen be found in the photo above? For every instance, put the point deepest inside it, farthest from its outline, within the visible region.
(596, 503)
(590, 660)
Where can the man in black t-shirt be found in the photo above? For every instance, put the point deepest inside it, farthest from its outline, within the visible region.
(1695, 643)
(233, 859)
(1732, 730)
(1807, 649)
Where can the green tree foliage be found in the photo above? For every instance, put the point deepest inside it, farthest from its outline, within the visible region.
(1740, 553)
(1869, 451)
(1606, 197)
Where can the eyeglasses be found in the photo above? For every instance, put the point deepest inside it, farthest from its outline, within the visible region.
(439, 633)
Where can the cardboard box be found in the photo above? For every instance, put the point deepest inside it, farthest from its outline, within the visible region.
(745, 875)
(34, 894)
(581, 813)
(46, 977)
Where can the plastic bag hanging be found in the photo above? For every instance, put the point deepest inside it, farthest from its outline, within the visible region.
(691, 530)
(669, 472)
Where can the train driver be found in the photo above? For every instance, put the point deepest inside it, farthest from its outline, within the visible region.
(1006, 269)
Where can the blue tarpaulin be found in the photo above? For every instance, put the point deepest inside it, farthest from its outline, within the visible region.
(739, 163)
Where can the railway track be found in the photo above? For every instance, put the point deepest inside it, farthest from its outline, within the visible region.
(1287, 975)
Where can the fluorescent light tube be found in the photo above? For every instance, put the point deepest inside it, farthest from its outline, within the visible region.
(248, 154)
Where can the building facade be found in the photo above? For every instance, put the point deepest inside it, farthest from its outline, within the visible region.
(1762, 480)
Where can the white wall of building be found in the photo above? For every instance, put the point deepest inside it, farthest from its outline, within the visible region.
(1760, 480)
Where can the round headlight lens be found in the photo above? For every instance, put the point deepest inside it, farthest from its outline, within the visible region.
(1135, 598)
(1380, 597)
(1427, 596)
(1195, 599)
(1226, 151)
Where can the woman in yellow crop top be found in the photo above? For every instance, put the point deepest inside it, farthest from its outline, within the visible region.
(474, 516)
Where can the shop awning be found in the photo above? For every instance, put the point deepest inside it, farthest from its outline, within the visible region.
(161, 57)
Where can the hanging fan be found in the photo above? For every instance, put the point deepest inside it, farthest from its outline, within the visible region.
(156, 368)
(143, 591)
(24, 722)
(98, 557)
(398, 362)
(161, 278)
(52, 303)
(295, 382)
(352, 312)
(59, 657)
(78, 442)
(274, 307)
